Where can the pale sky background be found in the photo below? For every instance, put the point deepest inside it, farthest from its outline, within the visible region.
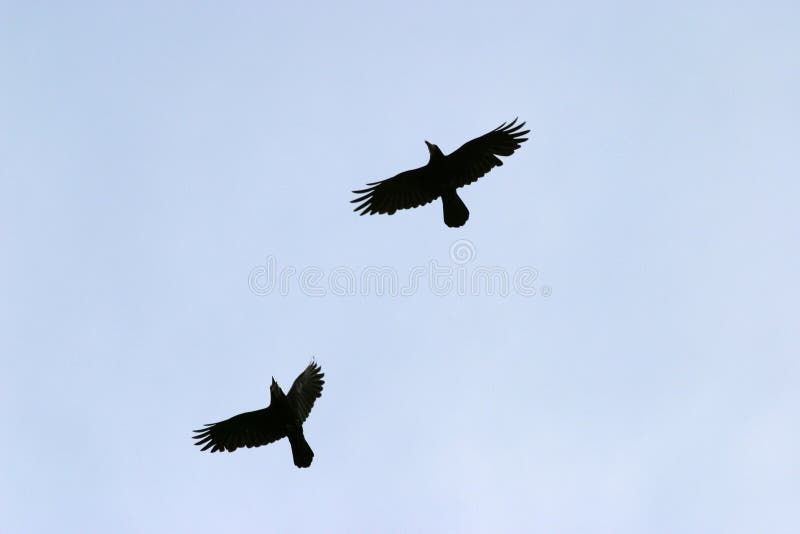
(154, 154)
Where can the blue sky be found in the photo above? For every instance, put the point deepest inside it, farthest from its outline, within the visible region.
(154, 156)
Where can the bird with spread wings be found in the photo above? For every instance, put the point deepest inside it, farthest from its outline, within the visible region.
(442, 176)
(283, 418)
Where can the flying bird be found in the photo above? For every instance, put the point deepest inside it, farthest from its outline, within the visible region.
(283, 418)
(442, 176)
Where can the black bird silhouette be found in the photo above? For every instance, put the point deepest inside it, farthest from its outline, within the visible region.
(283, 417)
(442, 176)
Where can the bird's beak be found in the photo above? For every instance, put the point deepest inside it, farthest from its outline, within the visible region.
(427, 143)
(273, 380)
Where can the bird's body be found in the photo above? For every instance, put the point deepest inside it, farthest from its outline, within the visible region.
(442, 176)
(283, 417)
(286, 418)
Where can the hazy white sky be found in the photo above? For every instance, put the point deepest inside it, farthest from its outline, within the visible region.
(156, 156)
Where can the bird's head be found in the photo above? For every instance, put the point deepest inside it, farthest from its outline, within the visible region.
(434, 151)
(274, 389)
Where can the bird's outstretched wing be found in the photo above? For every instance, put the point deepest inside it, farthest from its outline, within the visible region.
(408, 189)
(249, 429)
(477, 157)
(306, 389)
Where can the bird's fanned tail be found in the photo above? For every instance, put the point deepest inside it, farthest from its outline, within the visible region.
(455, 211)
(301, 450)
